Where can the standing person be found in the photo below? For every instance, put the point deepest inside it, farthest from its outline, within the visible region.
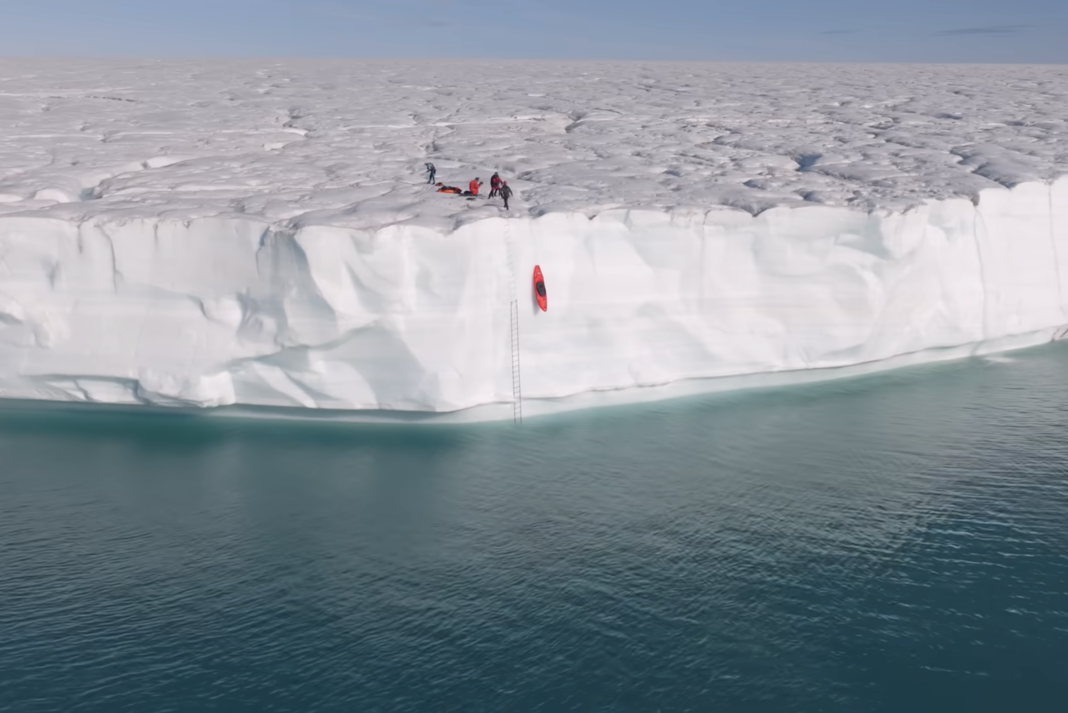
(430, 172)
(495, 185)
(506, 193)
(474, 186)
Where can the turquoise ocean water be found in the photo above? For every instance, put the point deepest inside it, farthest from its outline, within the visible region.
(890, 543)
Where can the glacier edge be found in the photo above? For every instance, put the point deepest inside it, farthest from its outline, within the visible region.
(232, 311)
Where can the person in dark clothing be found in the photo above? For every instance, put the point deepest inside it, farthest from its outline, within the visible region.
(506, 193)
(495, 185)
(430, 172)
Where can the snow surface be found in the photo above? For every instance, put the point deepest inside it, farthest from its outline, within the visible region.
(259, 233)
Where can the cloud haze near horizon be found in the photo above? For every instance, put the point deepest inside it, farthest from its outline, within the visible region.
(817, 30)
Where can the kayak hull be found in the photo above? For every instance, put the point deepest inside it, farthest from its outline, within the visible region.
(539, 289)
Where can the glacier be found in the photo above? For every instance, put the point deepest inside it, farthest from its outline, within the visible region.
(258, 234)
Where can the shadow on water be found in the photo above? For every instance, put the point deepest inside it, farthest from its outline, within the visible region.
(185, 428)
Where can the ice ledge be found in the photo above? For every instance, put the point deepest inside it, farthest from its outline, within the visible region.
(405, 321)
(532, 408)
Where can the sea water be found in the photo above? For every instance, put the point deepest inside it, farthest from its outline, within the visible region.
(889, 543)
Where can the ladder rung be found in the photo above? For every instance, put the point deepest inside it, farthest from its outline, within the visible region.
(513, 314)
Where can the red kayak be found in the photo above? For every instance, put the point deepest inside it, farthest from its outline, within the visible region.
(539, 289)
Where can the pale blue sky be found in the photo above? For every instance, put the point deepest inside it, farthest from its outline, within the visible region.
(773, 30)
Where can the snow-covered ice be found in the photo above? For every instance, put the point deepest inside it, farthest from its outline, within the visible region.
(260, 233)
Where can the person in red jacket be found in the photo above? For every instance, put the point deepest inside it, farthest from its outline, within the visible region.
(474, 186)
(495, 184)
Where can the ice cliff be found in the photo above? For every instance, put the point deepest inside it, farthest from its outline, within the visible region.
(184, 234)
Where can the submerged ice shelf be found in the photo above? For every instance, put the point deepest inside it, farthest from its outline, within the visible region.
(198, 234)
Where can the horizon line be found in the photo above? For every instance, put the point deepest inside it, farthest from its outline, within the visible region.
(503, 60)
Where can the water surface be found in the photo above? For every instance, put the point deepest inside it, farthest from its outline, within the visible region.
(892, 543)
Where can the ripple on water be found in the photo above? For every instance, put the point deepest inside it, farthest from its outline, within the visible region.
(883, 544)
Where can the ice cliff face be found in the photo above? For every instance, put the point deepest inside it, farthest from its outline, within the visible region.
(215, 312)
(150, 258)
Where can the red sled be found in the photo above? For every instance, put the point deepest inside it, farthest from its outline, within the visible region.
(539, 289)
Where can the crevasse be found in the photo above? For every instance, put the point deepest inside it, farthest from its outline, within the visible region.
(405, 321)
